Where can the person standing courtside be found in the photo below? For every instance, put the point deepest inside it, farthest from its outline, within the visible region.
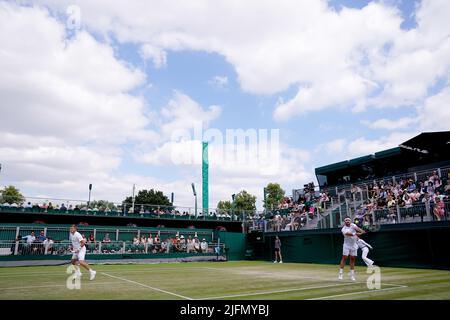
(278, 250)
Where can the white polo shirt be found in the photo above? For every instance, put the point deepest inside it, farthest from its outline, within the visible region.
(75, 239)
(350, 241)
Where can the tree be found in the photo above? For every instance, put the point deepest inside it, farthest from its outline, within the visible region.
(11, 195)
(151, 196)
(244, 201)
(274, 194)
(224, 206)
(102, 204)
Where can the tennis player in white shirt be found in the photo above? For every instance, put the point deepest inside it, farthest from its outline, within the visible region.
(364, 246)
(350, 247)
(79, 252)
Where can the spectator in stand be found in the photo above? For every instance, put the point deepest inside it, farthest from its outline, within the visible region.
(366, 222)
(28, 205)
(411, 185)
(30, 238)
(422, 188)
(182, 243)
(150, 240)
(430, 188)
(439, 210)
(196, 245)
(176, 244)
(439, 195)
(165, 247)
(106, 238)
(90, 243)
(41, 237)
(407, 200)
(204, 246)
(415, 195)
(434, 176)
(189, 245)
(48, 245)
(136, 241)
(447, 188)
(437, 184)
(156, 244)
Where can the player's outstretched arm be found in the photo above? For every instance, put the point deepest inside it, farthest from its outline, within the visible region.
(359, 230)
(350, 234)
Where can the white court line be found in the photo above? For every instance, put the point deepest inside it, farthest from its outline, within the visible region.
(145, 286)
(272, 292)
(149, 270)
(17, 274)
(321, 279)
(55, 285)
(359, 292)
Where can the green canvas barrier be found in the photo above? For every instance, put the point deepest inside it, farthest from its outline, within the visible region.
(415, 245)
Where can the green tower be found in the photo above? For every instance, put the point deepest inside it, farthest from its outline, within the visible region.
(205, 185)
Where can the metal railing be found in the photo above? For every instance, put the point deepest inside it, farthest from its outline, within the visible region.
(63, 248)
(423, 175)
(364, 217)
(10, 233)
(78, 207)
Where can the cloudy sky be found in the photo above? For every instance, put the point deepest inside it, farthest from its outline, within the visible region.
(93, 91)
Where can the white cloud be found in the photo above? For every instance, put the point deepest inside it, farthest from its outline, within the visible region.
(391, 125)
(74, 88)
(363, 146)
(333, 147)
(182, 113)
(157, 55)
(351, 58)
(65, 106)
(344, 149)
(271, 46)
(434, 115)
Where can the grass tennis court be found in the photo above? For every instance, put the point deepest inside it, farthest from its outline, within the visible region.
(221, 280)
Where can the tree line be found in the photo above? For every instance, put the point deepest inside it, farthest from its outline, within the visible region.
(242, 201)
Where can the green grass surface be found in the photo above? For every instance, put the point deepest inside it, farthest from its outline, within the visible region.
(227, 280)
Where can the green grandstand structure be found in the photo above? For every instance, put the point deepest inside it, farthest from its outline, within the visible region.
(421, 153)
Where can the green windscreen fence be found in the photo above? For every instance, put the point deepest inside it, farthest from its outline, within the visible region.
(235, 242)
(422, 245)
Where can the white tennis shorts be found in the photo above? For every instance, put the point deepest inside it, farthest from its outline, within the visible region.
(349, 251)
(80, 254)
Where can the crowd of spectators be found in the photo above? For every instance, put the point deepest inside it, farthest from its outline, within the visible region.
(413, 197)
(33, 245)
(41, 244)
(294, 214)
(177, 243)
(142, 210)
